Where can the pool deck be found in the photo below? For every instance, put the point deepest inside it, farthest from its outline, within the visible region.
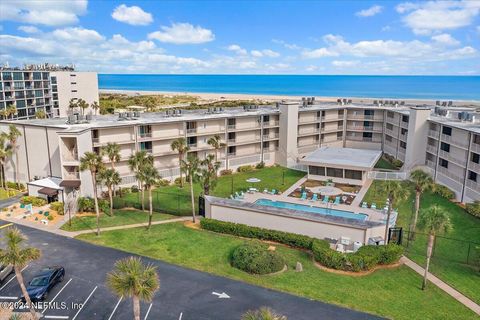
(373, 215)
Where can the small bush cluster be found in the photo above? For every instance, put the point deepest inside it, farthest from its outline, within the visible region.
(473, 208)
(247, 168)
(260, 165)
(57, 206)
(178, 181)
(163, 183)
(34, 201)
(242, 230)
(103, 206)
(254, 257)
(85, 204)
(443, 191)
(395, 162)
(226, 172)
(134, 189)
(13, 185)
(364, 259)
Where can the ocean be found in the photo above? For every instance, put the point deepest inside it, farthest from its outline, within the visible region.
(394, 87)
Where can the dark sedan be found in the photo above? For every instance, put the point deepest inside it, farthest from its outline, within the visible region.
(41, 284)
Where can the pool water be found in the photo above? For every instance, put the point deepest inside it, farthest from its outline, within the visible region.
(318, 210)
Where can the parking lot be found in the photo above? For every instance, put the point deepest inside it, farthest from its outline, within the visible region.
(184, 294)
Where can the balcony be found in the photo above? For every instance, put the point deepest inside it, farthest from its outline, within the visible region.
(433, 133)
(446, 172)
(308, 132)
(274, 123)
(432, 149)
(474, 166)
(473, 185)
(449, 139)
(231, 154)
(475, 147)
(271, 136)
(71, 175)
(231, 140)
(240, 128)
(430, 164)
(192, 145)
(191, 131)
(361, 116)
(308, 120)
(145, 135)
(231, 127)
(70, 155)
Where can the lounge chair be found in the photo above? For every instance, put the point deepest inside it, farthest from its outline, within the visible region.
(373, 206)
(325, 199)
(241, 195)
(304, 196)
(274, 192)
(22, 206)
(364, 205)
(337, 200)
(232, 197)
(265, 190)
(314, 197)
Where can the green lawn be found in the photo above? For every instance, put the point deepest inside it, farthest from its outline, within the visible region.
(450, 256)
(393, 293)
(4, 194)
(385, 164)
(119, 218)
(176, 200)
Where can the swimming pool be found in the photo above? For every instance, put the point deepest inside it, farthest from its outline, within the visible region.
(318, 210)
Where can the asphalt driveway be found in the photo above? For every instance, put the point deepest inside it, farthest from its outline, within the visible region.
(184, 293)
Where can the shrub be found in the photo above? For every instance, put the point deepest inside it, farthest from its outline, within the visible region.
(163, 183)
(85, 204)
(226, 172)
(247, 168)
(57, 206)
(254, 257)
(391, 253)
(50, 218)
(103, 206)
(34, 201)
(397, 163)
(473, 208)
(260, 165)
(134, 189)
(443, 191)
(13, 185)
(242, 230)
(177, 181)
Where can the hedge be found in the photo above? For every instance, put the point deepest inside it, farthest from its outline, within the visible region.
(34, 201)
(242, 230)
(364, 259)
(57, 206)
(473, 208)
(246, 168)
(443, 191)
(254, 257)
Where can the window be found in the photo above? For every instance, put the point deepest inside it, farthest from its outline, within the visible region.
(17, 76)
(74, 91)
(368, 135)
(323, 113)
(340, 112)
(146, 146)
(232, 150)
(45, 75)
(73, 83)
(369, 112)
(390, 114)
(403, 145)
(433, 126)
(447, 131)
(231, 136)
(389, 126)
(266, 145)
(37, 76)
(405, 118)
(192, 141)
(54, 80)
(319, 171)
(445, 147)
(476, 139)
(368, 125)
(443, 163)
(353, 174)
(335, 172)
(388, 138)
(266, 118)
(472, 176)
(339, 135)
(475, 157)
(231, 122)
(403, 131)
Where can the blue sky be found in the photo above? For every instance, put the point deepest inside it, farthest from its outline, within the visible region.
(245, 37)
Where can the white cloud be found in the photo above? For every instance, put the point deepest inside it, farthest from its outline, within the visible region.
(318, 53)
(264, 53)
(370, 12)
(78, 35)
(46, 12)
(133, 15)
(345, 63)
(446, 39)
(427, 17)
(386, 28)
(29, 29)
(182, 33)
(290, 46)
(237, 49)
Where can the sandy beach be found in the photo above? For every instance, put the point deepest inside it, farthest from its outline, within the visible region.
(270, 98)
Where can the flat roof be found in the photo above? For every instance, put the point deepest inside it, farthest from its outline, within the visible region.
(343, 158)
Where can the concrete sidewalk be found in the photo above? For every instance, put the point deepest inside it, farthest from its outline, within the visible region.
(442, 285)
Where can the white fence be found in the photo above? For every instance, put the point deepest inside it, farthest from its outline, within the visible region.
(383, 175)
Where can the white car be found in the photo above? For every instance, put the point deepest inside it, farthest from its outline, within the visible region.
(5, 271)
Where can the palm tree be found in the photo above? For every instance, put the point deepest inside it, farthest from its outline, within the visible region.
(95, 106)
(93, 163)
(82, 104)
(433, 220)
(190, 167)
(180, 145)
(208, 173)
(131, 278)
(5, 153)
(15, 254)
(72, 104)
(11, 111)
(423, 182)
(110, 178)
(136, 163)
(12, 137)
(4, 114)
(263, 313)
(217, 144)
(395, 192)
(150, 178)
(40, 114)
(112, 151)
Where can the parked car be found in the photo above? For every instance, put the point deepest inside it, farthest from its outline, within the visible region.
(41, 284)
(5, 271)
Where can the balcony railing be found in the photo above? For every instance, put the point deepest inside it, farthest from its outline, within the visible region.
(192, 145)
(473, 185)
(474, 166)
(70, 155)
(448, 173)
(192, 130)
(449, 139)
(307, 120)
(71, 176)
(145, 135)
(475, 148)
(96, 140)
(231, 140)
(274, 123)
(432, 149)
(430, 164)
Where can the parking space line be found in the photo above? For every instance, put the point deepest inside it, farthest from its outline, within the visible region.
(8, 298)
(148, 311)
(55, 317)
(57, 294)
(14, 276)
(84, 303)
(115, 309)
(6, 225)
(181, 314)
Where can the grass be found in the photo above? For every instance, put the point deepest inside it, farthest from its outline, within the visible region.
(450, 256)
(393, 293)
(4, 194)
(119, 218)
(174, 199)
(383, 163)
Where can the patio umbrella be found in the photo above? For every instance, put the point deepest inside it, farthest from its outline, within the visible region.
(253, 180)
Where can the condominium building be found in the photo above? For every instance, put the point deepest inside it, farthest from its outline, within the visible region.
(44, 88)
(444, 141)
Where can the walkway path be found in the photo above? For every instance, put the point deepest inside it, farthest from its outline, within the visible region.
(361, 194)
(442, 285)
